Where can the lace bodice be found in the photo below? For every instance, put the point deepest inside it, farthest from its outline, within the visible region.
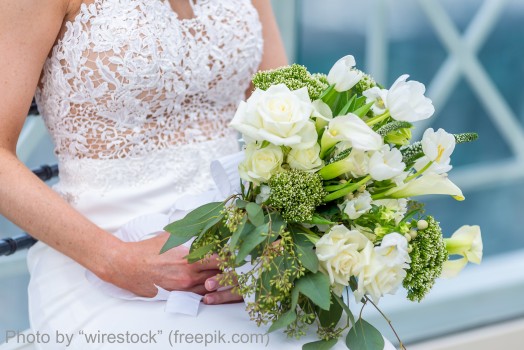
(129, 77)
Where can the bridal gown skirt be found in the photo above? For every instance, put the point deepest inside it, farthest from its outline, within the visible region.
(63, 303)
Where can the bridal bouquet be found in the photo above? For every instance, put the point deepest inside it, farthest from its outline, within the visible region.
(326, 206)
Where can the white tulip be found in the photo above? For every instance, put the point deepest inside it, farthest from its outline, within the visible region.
(426, 184)
(358, 206)
(386, 164)
(305, 159)
(260, 163)
(379, 97)
(438, 146)
(406, 101)
(322, 114)
(353, 129)
(277, 115)
(343, 75)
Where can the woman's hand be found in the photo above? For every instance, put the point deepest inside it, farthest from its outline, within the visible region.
(218, 294)
(139, 266)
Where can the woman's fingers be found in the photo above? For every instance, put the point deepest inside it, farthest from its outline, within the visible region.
(222, 297)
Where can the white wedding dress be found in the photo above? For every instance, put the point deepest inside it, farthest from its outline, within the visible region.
(138, 102)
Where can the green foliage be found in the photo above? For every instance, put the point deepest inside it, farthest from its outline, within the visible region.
(363, 336)
(296, 194)
(197, 222)
(366, 83)
(466, 137)
(427, 257)
(294, 77)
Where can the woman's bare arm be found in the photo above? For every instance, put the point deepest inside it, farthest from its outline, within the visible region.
(28, 30)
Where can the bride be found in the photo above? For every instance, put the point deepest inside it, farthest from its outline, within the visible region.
(137, 96)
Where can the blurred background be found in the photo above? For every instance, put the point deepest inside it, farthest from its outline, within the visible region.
(468, 53)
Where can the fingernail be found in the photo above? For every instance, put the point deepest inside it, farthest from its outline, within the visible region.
(208, 299)
(211, 284)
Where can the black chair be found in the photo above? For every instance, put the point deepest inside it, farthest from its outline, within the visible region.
(10, 246)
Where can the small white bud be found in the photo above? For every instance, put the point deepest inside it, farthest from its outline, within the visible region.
(408, 237)
(422, 224)
(410, 249)
(413, 234)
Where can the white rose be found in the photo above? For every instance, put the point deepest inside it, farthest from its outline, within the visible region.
(260, 163)
(406, 101)
(386, 164)
(277, 115)
(343, 75)
(338, 252)
(358, 206)
(305, 159)
(377, 278)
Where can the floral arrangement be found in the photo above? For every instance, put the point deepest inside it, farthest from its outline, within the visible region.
(326, 208)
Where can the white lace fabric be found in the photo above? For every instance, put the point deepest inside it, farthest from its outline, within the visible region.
(130, 81)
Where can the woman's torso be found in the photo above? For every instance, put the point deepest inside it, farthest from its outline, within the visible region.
(131, 92)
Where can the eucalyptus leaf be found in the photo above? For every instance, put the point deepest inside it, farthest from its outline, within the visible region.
(192, 224)
(284, 320)
(330, 319)
(243, 228)
(320, 345)
(306, 253)
(254, 238)
(255, 214)
(315, 286)
(363, 336)
(199, 253)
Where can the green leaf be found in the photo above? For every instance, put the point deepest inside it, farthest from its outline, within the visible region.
(362, 111)
(255, 214)
(294, 297)
(330, 319)
(199, 253)
(283, 321)
(192, 224)
(363, 336)
(242, 229)
(345, 307)
(346, 108)
(306, 254)
(320, 345)
(315, 286)
(320, 220)
(241, 203)
(254, 238)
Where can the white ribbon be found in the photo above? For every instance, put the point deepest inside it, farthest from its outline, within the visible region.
(225, 175)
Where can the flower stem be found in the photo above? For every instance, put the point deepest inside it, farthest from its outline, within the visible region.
(349, 188)
(419, 172)
(378, 118)
(387, 320)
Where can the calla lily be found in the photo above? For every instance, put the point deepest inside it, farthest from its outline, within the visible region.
(426, 184)
(467, 242)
